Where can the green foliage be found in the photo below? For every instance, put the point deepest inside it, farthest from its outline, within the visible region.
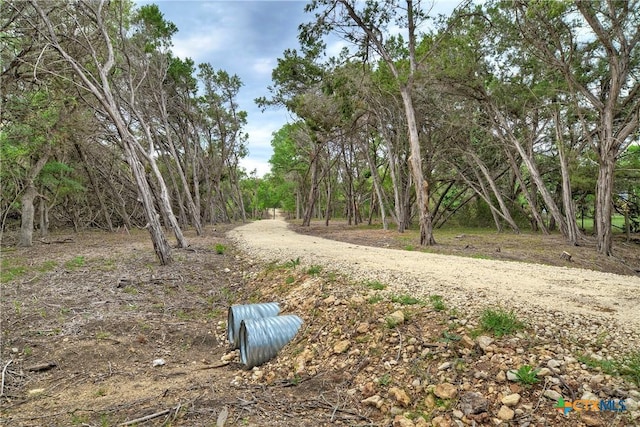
(527, 375)
(314, 270)
(10, 271)
(437, 303)
(375, 285)
(628, 366)
(74, 263)
(500, 322)
(385, 380)
(292, 263)
(374, 299)
(220, 248)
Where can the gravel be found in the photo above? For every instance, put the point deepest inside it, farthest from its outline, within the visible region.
(589, 307)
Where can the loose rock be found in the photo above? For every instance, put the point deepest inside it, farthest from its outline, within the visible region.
(505, 413)
(341, 346)
(400, 396)
(511, 399)
(375, 401)
(446, 391)
(402, 421)
(552, 394)
(473, 403)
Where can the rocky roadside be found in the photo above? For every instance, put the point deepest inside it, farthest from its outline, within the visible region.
(398, 357)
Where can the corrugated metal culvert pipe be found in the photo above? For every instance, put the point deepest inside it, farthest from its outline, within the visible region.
(261, 339)
(238, 313)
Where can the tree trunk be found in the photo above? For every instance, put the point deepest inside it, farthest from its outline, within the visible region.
(535, 213)
(160, 244)
(376, 187)
(43, 208)
(92, 182)
(415, 162)
(313, 188)
(604, 203)
(496, 192)
(28, 210)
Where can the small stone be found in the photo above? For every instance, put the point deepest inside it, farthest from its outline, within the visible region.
(330, 300)
(631, 404)
(375, 401)
(590, 420)
(543, 372)
(596, 380)
(440, 421)
(446, 391)
(480, 375)
(512, 375)
(511, 400)
(363, 328)
(369, 389)
(587, 395)
(430, 401)
(229, 356)
(158, 362)
(501, 377)
(457, 414)
(341, 346)
(400, 396)
(421, 422)
(444, 366)
(554, 364)
(473, 403)
(397, 317)
(552, 394)
(467, 341)
(402, 421)
(484, 342)
(505, 413)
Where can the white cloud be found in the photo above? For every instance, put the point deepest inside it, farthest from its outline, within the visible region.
(263, 66)
(262, 167)
(197, 45)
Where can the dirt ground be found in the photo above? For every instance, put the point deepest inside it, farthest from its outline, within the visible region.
(85, 317)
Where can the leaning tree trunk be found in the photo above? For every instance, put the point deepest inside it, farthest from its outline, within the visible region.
(160, 244)
(415, 162)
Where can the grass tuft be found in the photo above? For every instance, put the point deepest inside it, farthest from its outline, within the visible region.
(500, 322)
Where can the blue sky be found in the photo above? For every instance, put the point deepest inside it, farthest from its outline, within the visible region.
(244, 38)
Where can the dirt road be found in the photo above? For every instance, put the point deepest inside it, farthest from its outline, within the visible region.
(608, 299)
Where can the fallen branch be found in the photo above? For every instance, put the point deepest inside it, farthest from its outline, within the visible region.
(65, 240)
(217, 365)
(4, 370)
(146, 418)
(42, 367)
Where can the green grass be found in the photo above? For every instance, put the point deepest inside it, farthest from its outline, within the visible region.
(374, 299)
(10, 272)
(220, 248)
(314, 270)
(437, 303)
(74, 263)
(500, 322)
(292, 263)
(527, 375)
(627, 367)
(375, 285)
